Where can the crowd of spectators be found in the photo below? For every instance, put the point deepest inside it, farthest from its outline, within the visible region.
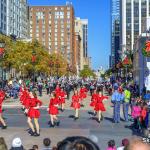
(77, 143)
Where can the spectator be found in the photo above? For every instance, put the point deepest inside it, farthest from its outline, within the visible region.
(47, 143)
(17, 144)
(35, 147)
(3, 145)
(111, 145)
(137, 144)
(125, 142)
(77, 143)
(54, 148)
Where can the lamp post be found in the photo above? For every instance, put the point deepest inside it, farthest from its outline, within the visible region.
(33, 63)
(2, 48)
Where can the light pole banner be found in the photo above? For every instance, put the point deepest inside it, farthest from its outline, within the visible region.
(147, 79)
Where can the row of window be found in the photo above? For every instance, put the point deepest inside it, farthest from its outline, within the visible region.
(56, 8)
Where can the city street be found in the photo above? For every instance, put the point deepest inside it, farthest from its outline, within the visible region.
(104, 131)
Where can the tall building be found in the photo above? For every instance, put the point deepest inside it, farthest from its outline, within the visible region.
(14, 18)
(81, 33)
(17, 18)
(115, 32)
(53, 27)
(3, 15)
(135, 19)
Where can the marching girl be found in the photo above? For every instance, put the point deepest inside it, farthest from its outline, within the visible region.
(2, 97)
(34, 113)
(83, 93)
(99, 106)
(76, 104)
(63, 96)
(94, 100)
(53, 110)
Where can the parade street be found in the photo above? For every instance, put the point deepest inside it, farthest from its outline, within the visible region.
(84, 126)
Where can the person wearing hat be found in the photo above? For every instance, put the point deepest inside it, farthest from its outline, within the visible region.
(125, 142)
(17, 144)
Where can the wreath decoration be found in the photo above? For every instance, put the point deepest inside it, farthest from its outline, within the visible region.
(146, 49)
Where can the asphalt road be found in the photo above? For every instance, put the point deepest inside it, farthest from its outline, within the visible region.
(105, 131)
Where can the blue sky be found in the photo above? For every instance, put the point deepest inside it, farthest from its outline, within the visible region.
(98, 14)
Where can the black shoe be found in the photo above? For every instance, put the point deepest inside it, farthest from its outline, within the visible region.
(57, 123)
(98, 121)
(52, 126)
(4, 127)
(49, 122)
(76, 118)
(32, 133)
(37, 134)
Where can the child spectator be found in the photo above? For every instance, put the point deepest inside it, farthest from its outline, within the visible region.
(111, 145)
(136, 112)
(47, 143)
(125, 142)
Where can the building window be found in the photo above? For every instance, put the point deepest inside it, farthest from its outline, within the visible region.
(68, 8)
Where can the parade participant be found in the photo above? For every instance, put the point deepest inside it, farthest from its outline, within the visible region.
(34, 113)
(76, 104)
(63, 96)
(2, 97)
(83, 94)
(58, 89)
(93, 100)
(99, 106)
(53, 110)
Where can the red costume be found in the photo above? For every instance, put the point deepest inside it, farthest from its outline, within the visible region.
(99, 106)
(83, 93)
(75, 101)
(33, 112)
(2, 97)
(62, 97)
(93, 100)
(53, 106)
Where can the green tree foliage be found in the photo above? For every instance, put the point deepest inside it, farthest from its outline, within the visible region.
(18, 55)
(86, 72)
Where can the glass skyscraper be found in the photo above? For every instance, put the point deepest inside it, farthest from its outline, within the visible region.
(115, 32)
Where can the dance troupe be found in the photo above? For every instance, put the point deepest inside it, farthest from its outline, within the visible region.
(31, 106)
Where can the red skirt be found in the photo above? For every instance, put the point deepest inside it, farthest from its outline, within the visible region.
(62, 101)
(75, 105)
(99, 107)
(33, 113)
(92, 104)
(53, 110)
(83, 95)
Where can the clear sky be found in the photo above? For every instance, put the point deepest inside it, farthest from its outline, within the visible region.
(98, 14)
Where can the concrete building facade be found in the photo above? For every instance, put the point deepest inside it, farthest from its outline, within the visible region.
(53, 27)
(81, 29)
(135, 19)
(17, 18)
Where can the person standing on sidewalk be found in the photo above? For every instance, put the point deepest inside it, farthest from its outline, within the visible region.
(126, 103)
(117, 99)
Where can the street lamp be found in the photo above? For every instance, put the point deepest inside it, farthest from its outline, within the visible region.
(33, 63)
(2, 46)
